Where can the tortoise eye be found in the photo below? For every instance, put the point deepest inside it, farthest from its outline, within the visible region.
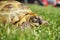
(9, 6)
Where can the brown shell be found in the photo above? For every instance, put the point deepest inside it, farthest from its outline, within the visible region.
(16, 13)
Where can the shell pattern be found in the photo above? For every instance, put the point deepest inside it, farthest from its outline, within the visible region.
(18, 14)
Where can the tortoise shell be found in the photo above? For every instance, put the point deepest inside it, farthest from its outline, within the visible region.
(18, 14)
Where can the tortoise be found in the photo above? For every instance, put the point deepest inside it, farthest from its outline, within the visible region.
(18, 14)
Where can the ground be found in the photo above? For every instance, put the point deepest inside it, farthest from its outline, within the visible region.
(43, 32)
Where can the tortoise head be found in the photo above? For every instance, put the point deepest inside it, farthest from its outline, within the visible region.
(35, 21)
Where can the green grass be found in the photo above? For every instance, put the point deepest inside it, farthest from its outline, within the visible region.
(43, 32)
